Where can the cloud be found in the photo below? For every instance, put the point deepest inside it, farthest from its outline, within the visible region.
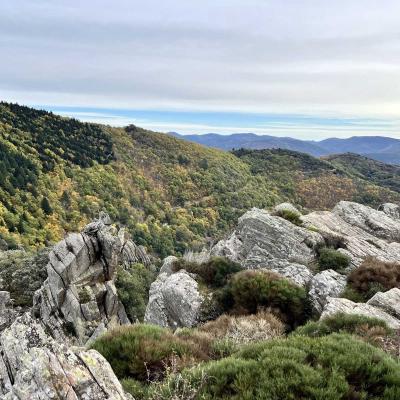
(299, 56)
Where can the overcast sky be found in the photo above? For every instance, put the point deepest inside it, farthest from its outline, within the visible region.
(304, 68)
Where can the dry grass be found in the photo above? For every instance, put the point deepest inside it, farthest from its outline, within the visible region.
(244, 329)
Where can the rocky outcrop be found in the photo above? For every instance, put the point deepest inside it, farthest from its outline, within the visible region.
(166, 267)
(338, 305)
(390, 209)
(34, 366)
(361, 230)
(387, 301)
(79, 295)
(326, 284)
(262, 240)
(174, 300)
(377, 223)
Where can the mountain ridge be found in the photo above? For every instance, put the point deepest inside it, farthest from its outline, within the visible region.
(380, 148)
(57, 174)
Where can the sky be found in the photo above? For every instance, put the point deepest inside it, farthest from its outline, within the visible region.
(303, 68)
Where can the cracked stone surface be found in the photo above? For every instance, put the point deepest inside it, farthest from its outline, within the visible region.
(261, 240)
(79, 293)
(33, 366)
(175, 300)
(328, 283)
(363, 230)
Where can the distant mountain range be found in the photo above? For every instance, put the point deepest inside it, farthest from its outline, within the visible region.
(376, 147)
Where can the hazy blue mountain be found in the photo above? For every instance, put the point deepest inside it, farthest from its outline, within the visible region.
(377, 147)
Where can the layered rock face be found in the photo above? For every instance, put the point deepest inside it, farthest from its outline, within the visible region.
(77, 302)
(363, 230)
(79, 295)
(262, 240)
(33, 366)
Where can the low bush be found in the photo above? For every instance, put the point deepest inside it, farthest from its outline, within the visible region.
(247, 328)
(329, 258)
(332, 367)
(250, 291)
(144, 352)
(374, 276)
(345, 323)
(133, 285)
(214, 272)
(292, 216)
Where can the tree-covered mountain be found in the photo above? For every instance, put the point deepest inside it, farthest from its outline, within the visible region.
(58, 173)
(377, 147)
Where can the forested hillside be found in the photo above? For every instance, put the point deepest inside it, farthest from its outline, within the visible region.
(319, 184)
(58, 173)
(382, 174)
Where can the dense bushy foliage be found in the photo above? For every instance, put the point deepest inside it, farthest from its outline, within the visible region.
(145, 352)
(55, 137)
(249, 291)
(303, 179)
(299, 368)
(214, 272)
(382, 174)
(133, 285)
(374, 276)
(329, 258)
(359, 325)
(58, 173)
(140, 350)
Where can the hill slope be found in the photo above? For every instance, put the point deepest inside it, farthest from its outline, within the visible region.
(377, 147)
(58, 173)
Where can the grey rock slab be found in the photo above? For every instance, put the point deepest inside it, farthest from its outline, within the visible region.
(339, 305)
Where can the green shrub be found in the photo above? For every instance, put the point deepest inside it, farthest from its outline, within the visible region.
(374, 276)
(137, 389)
(291, 216)
(344, 323)
(351, 294)
(249, 291)
(332, 259)
(141, 351)
(133, 285)
(214, 272)
(299, 368)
